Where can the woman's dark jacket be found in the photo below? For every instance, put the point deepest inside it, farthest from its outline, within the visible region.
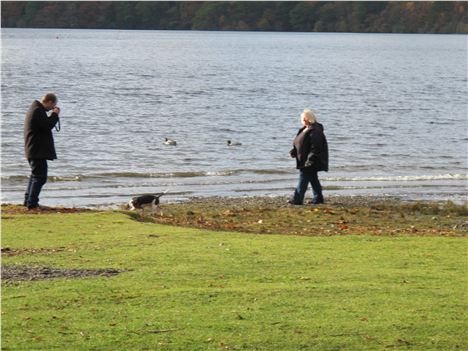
(310, 148)
(38, 140)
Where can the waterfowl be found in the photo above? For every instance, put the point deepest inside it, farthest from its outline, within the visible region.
(233, 143)
(170, 142)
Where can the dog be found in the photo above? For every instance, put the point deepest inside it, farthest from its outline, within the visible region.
(144, 201)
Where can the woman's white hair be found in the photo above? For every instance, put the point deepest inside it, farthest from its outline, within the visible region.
(309, 115)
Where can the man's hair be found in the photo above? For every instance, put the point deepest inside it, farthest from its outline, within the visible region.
(49, 97)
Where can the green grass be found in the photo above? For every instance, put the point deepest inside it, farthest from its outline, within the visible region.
(193, 289)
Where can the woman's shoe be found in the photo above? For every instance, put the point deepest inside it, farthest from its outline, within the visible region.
(316, 202)
(39, 208)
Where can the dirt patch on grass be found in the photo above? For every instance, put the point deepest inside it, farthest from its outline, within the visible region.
(15, 273)
(8, 251)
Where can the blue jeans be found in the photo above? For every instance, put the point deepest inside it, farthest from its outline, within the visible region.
(305, 177)
(37, 179)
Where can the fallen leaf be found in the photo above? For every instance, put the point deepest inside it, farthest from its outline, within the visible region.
(402, 342)
(239, 317)
(157, 331)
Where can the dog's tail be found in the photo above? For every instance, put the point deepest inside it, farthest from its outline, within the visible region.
(158, 195)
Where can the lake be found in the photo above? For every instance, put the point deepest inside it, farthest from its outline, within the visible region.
(394, 108)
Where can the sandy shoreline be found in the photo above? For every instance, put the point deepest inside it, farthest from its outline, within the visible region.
(281, 201)
(261, 201)
(340, 215)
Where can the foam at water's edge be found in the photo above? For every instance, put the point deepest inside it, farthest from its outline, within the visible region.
(232, 172)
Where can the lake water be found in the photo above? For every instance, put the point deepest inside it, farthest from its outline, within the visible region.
(394, 109)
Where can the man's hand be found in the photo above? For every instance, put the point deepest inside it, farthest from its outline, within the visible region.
(56, 110)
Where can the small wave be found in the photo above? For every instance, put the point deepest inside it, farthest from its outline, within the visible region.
(227, 89)
(166, 174)
(77, 178)
(15, 177)
(402, 178)
(270, 171)
(110, 175)
(221, 173)
(232, 172)
(149, 175)
(20, 178)
(192, 174)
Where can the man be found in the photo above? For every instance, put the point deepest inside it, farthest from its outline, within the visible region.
(39, 145)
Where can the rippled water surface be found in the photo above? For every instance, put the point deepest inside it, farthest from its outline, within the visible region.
(393, 106)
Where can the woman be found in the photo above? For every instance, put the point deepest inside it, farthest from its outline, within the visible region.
(310, 149)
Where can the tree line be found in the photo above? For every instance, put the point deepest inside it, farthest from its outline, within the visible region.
(300, 16)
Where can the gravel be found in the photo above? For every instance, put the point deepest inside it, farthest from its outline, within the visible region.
(281, 201)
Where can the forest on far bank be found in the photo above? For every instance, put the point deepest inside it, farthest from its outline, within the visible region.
(298, 16)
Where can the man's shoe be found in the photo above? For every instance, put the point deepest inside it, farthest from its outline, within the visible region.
(293, 203)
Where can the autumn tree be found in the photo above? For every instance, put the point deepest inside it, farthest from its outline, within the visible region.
(307, 16)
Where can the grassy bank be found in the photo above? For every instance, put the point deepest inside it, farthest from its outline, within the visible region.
(183, 288)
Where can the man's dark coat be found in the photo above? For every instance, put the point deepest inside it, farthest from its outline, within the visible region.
(38, 139)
